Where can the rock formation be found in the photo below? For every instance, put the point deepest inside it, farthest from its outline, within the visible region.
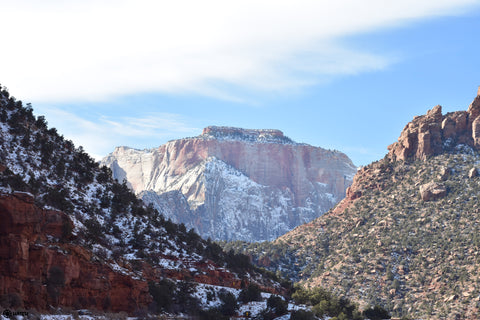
(38, 272)
(424, 136)
(433, 133)
(432, 191)
(239, 184)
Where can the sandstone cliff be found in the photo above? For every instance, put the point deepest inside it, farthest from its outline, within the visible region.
(433, 133)
(239, 184)
(39, 268)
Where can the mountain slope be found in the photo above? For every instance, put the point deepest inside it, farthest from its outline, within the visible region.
(66, 222)
(407, 234)
(231, 183)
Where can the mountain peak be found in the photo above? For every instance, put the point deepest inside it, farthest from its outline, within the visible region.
(252, 135)
(236, 184)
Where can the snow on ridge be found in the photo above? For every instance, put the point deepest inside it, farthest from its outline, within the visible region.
(252, 212)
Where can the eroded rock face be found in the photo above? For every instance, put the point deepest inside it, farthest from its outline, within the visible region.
(43, 273)
(239, 184)
(432, 133)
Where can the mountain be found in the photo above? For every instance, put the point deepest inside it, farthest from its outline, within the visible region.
(73, 237)
(236, 184)
(406, 236)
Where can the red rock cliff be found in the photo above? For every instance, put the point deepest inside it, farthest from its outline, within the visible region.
(41, 272)
(239, 184)
(430, 134)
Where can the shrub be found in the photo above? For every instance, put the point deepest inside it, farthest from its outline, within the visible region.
(162, 293)
(277, 304)
(184, 301)
(266, 314)
(55, 281)
(212, 314)
(325, 303)
(302, 315)
(10, 300)
(250, 293)
(376, 313)
(229, 303)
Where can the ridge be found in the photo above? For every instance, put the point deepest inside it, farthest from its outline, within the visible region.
(250, 135)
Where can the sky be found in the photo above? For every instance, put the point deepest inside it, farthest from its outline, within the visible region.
(343, 75)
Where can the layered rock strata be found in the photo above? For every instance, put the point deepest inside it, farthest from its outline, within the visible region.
(39, 268)
(236, 184)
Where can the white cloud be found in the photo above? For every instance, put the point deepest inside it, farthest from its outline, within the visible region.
(100, 136)
(88, 50)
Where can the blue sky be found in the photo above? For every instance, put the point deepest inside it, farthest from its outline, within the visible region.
(345, 75)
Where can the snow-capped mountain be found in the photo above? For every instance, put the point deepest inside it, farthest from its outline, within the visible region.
(236, 184)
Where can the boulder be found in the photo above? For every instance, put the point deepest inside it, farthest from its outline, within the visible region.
(432, 191)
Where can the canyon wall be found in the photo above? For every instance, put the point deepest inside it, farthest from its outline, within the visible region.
(40, 267)
(239, 184)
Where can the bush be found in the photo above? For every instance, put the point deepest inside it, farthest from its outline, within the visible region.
(184, 300)
(229, 303)
(162, 294)
(376, 313)
(11, 300)
(250, 293)
(277, 304)
(212, 314)
(325, 303)
(302, 315)
(55, 281)
(266, 314)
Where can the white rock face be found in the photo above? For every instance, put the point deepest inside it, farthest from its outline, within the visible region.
(235, 184)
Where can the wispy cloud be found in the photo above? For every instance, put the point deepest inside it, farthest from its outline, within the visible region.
(93, 50)
(98, 137)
